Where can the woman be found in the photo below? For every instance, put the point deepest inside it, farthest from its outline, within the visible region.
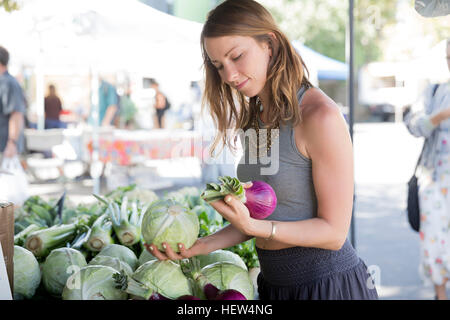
(432, 122)
(53, 108)
(161, 106)
(302, 247)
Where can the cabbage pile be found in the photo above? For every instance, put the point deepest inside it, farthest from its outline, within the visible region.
(97, 251)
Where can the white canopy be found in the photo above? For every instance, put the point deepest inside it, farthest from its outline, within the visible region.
(109, 35)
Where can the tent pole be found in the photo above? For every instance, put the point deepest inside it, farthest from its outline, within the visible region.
(350, 85)
(96, 165)
(40, 96)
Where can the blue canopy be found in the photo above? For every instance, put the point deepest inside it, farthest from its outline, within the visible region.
(327, 68)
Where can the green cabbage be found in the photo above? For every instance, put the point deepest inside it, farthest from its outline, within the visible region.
(226, 275)
(58, 266)
(93, 283)
(145, 256)
(172, 222)
(27, 275)
(115, 263)
(163, 277)
(142, 195)
(122, 253)
(221, 256)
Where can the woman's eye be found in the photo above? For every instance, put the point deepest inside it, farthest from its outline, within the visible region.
(237, 58)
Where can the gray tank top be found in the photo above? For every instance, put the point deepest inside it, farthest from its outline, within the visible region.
(290, 174)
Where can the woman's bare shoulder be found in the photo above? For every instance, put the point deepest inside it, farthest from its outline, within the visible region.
(318, 109)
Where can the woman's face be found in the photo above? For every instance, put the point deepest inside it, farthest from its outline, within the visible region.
(241, 62)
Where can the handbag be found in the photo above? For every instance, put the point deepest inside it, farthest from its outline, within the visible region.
(412, 207)
(413, 198)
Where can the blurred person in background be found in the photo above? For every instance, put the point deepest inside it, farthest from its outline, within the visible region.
(128, 110)
(12, 109)
(108, 103)
(429, 118)
(53, 108)
(161, 105)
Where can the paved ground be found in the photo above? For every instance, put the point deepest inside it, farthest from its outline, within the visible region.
(385, 156)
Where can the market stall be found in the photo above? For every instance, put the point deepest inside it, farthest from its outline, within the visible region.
(73, 251)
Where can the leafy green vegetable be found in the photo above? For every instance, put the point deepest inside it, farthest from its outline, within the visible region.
(57, 268)
(101, 234)
(27, 275)
(19, 238)
(93, 283)
(221, 256)
(113, 262)
(246, 250)
(172, 222)
(123, 253)
(163, 277)
(228, 185)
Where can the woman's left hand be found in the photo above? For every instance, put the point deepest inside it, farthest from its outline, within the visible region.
(234, 211)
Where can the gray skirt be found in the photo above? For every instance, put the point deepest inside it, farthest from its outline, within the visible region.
(301, 273)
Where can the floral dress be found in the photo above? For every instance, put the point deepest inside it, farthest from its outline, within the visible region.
(434, 185)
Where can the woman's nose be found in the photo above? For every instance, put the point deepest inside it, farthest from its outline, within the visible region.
(230, 74)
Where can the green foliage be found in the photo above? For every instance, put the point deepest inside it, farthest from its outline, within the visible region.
(247, 252)
(321, 25)
(9, 5)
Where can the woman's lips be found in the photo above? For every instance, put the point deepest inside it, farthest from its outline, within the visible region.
(239, 86)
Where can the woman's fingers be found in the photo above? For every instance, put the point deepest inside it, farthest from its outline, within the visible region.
(232, 202)
(172, 255)
(155, 252)
(183, 252)
(222, 208)
(247, 185)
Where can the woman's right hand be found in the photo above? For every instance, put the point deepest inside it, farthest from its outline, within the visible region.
(198, 248)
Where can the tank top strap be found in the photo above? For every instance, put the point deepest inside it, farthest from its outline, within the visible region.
(301, 92)
(289, 131)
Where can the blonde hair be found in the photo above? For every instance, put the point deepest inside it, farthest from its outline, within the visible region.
(285, 74)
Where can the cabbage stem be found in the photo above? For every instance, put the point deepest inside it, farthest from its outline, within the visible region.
(131, 286)
(41, 242)
(19, 239)
(125, 227)
(101, 234)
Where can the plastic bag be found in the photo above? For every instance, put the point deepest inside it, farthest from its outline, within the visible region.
(14, 185)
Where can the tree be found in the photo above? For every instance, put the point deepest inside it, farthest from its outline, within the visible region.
(321, 25)
(9, 5)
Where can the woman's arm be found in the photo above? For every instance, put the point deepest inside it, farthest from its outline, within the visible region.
(423, 121)
(442, 115)
(330, 149)
(15, 123)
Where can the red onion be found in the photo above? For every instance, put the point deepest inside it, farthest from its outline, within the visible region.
(188, 297)
(210, 291)
(230, 294)
(261, 200)
(157, 296)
